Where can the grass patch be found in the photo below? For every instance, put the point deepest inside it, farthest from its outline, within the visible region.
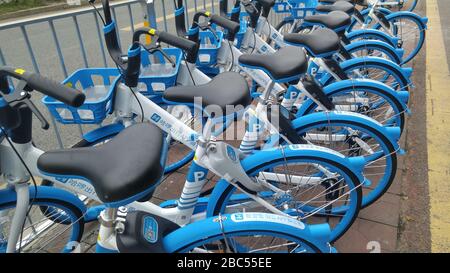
(16, 5)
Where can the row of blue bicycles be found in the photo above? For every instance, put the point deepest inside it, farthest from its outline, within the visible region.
(299, 121)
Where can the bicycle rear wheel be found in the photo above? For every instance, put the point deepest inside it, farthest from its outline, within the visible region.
(362, 141)
(249, 233)
(368, 98)
(373, 68)
(409, 29)
(374, 48)
(409, 5)
(301, 187)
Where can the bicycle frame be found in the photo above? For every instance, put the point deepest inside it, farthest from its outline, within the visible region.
(295, 94)
(224, 162)
(210, 155)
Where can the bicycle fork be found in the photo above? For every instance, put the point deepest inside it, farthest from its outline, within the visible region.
(16, 176)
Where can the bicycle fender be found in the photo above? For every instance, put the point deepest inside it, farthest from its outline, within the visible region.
(364, 60)
(43, 192)
(401, 97)
(422, 20)
(391, 133)
(103, 131)
(393, 41)
(377, 43)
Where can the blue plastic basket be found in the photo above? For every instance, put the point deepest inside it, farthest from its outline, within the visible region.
(98, 86)
(157, 73)
(298, 9)
(209, 47)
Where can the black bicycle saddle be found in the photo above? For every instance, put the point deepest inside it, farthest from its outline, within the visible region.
(126, 166)
(224, 92)
(285, 65)
(335, 20)
(321, 42)
(344, 6)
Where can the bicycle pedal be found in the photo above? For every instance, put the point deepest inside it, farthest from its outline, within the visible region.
(143, 233)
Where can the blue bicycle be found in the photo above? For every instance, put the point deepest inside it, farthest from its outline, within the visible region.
(119, 173)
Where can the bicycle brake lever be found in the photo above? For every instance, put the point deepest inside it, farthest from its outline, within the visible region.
(167, 57)
(22, 96)
(207, 26)
(44, 123)
(214, 33)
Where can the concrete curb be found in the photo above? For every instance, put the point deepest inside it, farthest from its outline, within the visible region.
(43, 9)
(37, 10)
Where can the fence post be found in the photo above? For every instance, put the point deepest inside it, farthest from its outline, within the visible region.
(148, 6)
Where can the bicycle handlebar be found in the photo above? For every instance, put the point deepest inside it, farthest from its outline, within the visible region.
(46, 86)
(190, 47)
(232, 27)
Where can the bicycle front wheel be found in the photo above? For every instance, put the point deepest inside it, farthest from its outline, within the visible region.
(40, 234)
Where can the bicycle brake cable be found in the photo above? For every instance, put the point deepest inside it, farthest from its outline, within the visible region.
(91, 2)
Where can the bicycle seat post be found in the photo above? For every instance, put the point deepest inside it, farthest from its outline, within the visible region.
(207, 130)
(106, 233)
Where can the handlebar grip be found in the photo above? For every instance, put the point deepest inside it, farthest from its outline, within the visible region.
(46, 86)
(64, 93)
(190, 47)
(176, 41)
(227, 24)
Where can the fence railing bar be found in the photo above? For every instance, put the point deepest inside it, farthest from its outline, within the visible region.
(3, 62)
(2, 58)
(30, 50)
(80, 41)
(187, 12)
(58, 47)
(56, 131)
(130, 13)
(212, 6)
(204, 4)
(117, 24)
(100, 39)
(195, 6)
(61, 15)
(166, 28)
(83, 52)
